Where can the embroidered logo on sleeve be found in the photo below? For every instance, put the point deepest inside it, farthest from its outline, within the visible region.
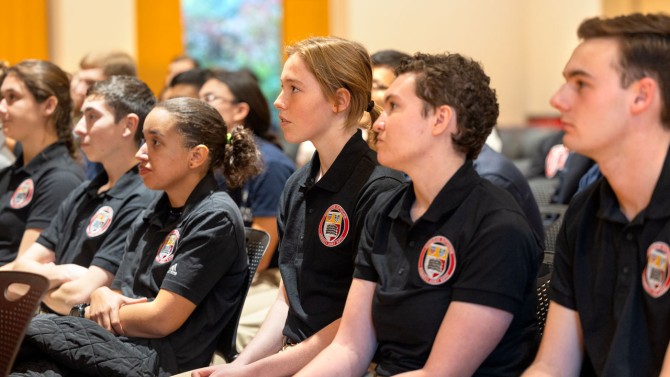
(100, 221)
(173, 270)
(437, 261)
(655, 277)
(23, 194)
(334, 226)
(167, 249)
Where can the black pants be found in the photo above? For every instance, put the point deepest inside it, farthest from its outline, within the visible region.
(71, 346)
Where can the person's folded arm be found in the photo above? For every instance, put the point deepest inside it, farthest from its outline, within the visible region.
(77, 291)
(562, 347)
(40, 260)
(156, 319)
(30, 235)
(468, 334)
(354, 345)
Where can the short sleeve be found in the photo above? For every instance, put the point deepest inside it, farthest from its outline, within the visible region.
(50, 191)
(562, 289)
(51, 235)
(499, 267)
(210, 246)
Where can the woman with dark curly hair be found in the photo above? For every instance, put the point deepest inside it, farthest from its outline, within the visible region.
(184, 265)
(445, 275)
(35, 108)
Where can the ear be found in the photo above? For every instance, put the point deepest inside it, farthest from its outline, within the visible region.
(50, 105)
(445, 120)
(198, 156)
(342, 100)
(241, 112)
(130, 125)
(645, 91)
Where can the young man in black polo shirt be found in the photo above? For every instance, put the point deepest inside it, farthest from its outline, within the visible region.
(82, 247)
(610, 308)
(444, 283)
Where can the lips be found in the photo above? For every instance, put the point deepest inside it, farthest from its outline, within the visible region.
(143, 170)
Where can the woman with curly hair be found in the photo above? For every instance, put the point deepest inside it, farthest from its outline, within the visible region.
(184, 266)
(445, 274)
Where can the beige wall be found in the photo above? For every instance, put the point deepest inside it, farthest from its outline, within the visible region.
(79, 26)
(523, 44)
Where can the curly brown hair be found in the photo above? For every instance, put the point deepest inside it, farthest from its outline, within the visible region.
(200, 123)
(644, 49)
(459, 82)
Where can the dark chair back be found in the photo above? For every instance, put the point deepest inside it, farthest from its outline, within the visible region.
(257, 242)
(542, 288)
(15, 314)
(552, 218)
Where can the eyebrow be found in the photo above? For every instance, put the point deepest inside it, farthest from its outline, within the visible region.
(154, 132)
(574, 73)
(389, 96)
(89, 108)
(291, 81)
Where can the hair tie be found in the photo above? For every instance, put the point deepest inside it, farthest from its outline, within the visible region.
(229, 136)
(371, 105)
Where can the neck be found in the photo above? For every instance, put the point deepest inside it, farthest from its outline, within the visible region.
(116, 167)
(331, 144)
(33, 146)
(179, 192)
(633, 170)
(429, 178)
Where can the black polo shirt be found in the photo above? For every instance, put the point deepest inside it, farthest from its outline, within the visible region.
(472, 245)
(319, 226)
(30, 195)
(614, 272)
(198, 253)
(90, 228)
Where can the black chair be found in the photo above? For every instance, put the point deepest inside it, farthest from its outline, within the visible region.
(542, 288)
(552, 218)
(15, 314)
(542, 189)
(257, 243)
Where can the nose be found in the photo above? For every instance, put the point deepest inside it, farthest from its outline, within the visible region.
(380, 123)
(3, 106)
(279, 102)
(559, 100)
(80, 127)
(141, 154)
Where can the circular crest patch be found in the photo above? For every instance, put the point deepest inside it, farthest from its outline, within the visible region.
(167, 249)
(100, 221)
(437, 261)
(655, 277)
(334, 226)
(23, 194)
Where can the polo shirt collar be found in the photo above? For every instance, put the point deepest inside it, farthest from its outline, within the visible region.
(459, 186)
(343, 166)
(658, 208)
(120, 189)
(204, 188)
(49, 153)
